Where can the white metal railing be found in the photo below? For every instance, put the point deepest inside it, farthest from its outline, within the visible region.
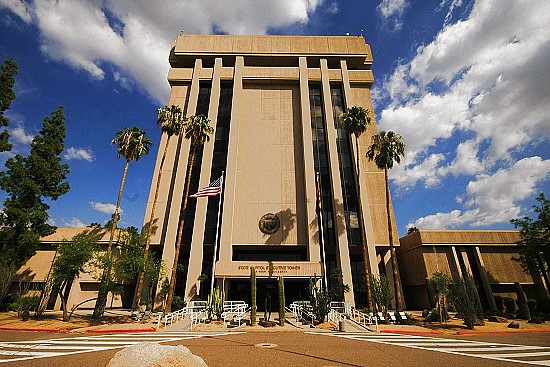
(195, 310)
(175, 316)
(344, 308)
(234, 310)
(335, 317)
(302, 310)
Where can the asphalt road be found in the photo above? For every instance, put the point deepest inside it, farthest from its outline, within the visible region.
(288, 349)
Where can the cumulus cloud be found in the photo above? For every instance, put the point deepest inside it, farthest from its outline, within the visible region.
(18, 7)
(134, 37)
(74, 223)
(106, 208)
(473, 103)
(79, 153)
(492, 198)
(391, 12)
(20, 136)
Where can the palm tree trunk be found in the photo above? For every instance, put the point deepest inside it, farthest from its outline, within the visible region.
(139, 283)
(362, 227)
(101, 302)
(396, 281)
(172, 286)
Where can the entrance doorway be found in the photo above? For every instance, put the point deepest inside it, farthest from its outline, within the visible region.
(267, 292)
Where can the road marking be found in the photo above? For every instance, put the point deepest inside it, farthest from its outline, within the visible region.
(32, 349)
(455, 346)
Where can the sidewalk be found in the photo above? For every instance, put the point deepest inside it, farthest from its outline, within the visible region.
(119, 321)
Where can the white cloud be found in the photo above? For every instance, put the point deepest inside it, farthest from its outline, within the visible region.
(106, 208)
(79, 153)
(492, 198)
(135, 36)
(392, 12)
(20, 136)
(478, 96)
(74, 223)
(18, 7)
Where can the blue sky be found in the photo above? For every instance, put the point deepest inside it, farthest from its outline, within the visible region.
(464, 82)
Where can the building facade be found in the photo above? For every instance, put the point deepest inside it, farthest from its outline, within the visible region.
(486, 255)
(274, 102)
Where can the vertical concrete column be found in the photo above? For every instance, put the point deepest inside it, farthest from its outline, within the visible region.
(195, 267)
(231, 169)
(362, 179)
(338, 200)
(455, 263)
(485, 278)
(314, 249)
(179, 179)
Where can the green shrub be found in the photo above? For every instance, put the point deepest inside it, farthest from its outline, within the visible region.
(532, 305)
(177, 303)
(466, 300)
(522, 302)
(509, 304)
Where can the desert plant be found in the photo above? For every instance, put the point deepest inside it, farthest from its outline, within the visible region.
(509, 304)
(438, 286)
(253, 292)
(319, 299)
(522, 302)
(465, 298)
(216, 302)
(381, 292)
(282, 315)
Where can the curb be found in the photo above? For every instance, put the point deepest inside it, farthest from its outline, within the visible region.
(411, 332)
(473, 332)
(37, 330)
(110, 331)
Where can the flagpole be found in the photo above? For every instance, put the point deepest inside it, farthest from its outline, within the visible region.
(321, 231)
(216, 241)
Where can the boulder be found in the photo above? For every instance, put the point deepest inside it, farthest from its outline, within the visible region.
(155, 355)
(498, 319)
(513, 325)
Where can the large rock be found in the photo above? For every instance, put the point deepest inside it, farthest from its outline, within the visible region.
(156, 355)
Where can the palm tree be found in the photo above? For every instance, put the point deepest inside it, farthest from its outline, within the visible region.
(198, 131)
(387, 148)
(132, 145)
(355, 121)
(171, 120)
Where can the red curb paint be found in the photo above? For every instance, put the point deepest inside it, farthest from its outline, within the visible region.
(502, 332)
(411, 332)
(107, 331)
(37, 330)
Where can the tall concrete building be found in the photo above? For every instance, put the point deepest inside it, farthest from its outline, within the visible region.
(274, 103)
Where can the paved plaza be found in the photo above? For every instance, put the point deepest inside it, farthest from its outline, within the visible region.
(314, 348)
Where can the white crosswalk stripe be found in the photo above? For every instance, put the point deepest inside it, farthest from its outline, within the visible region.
(31, 349)
(526, 354)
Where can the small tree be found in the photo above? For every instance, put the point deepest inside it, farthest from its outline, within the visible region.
(381, 292)
(337, 292)
(72, 256)
(438, 286)
(534, 243)
(30, 182)
(8, 71)
(465, 299)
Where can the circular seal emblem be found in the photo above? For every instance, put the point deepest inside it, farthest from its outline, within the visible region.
(269, 223)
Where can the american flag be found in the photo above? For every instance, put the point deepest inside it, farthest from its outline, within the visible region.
(215, 188)
(318, 191)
